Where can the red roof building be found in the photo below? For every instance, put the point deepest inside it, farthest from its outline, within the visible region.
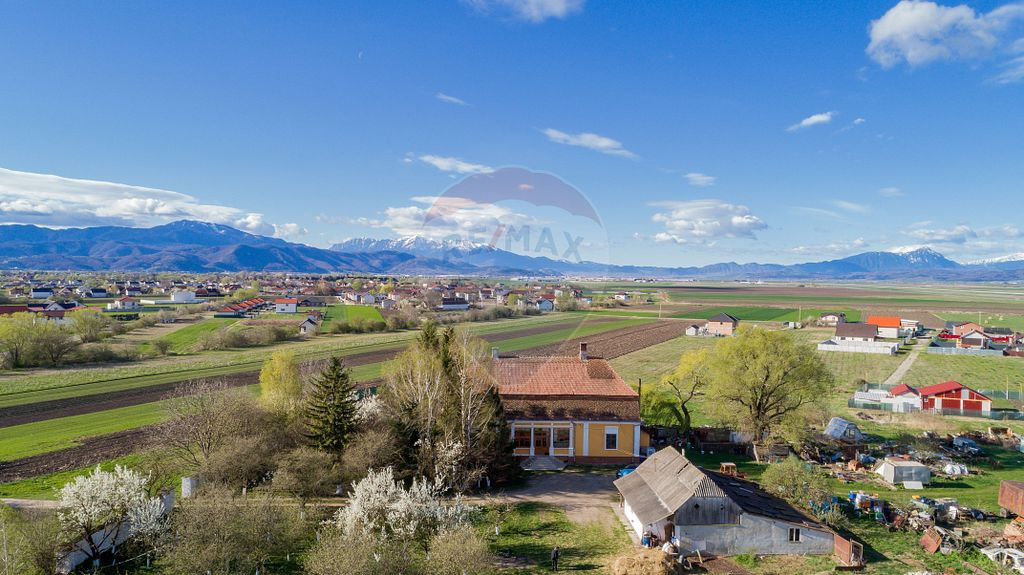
(949, 395)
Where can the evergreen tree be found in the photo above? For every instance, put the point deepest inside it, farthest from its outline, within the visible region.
(330, 407)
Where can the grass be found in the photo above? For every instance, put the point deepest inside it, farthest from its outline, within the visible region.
(1014, 322)
(992, 373)
(185, 339)
(531, 530)
(759, 313)
(30, 439)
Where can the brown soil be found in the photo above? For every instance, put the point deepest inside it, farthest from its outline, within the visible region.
(91, 451)
(615, 343)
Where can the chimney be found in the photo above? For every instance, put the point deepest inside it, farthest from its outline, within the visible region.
(583, 351)
(494, 353)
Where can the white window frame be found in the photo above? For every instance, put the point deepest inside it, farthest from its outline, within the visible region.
(611, 430)
(794, 535)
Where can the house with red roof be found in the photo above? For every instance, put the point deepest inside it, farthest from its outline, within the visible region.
(286, 305)
(888, 326)
(573, 408)
(946, 396)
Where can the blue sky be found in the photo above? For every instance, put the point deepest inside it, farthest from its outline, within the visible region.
(699, 132)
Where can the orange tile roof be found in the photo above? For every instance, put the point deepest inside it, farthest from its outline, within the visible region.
(286, 300)
(884, 320)
(559, 377)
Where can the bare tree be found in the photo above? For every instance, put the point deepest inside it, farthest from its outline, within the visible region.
(202, 415)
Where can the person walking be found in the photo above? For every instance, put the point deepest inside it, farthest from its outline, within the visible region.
(555, 553)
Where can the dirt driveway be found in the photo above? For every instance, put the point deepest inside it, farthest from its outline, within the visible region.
(585, 496)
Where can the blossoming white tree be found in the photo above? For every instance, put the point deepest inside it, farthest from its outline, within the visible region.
(106, 507)
(381, 507)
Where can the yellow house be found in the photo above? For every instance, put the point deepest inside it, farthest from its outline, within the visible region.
(570, 408)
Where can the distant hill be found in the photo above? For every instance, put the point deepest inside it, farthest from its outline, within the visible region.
(190, 246)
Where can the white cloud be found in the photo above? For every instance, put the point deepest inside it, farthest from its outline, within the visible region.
(704, 221)
(820, 212)
(956, 235)
(851, 207)
(535, 11)
(813, 120)
(56, 201)
(700, 180)
(841, 248)
(450, 99)
(1013, 72)
(919, 32)
(858, 121)
(891, 192)
(450, 164)
(446, 217)
(289, 231)
(595, 142)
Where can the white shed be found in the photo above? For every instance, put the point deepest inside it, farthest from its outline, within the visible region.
(898, 471)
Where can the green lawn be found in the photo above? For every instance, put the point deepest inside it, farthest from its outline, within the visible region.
(184, 340)
(1014, 322)
(977, 372)
(531, 530)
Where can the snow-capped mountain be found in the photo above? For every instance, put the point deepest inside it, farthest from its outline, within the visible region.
(415, 245)
(1018, 257)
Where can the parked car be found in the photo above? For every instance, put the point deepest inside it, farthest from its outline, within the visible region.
(625, 471)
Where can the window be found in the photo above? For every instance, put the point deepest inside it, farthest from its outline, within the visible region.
(611, 438)
(794, 535)
(522, 438)
(561, 438)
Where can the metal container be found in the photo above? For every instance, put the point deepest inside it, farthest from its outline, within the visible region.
(1011, 496)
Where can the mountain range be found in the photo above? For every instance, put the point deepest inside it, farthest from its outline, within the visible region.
(191, 246)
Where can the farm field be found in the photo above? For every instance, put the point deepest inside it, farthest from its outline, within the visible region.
(756, 313)
(1014, 322)
(183, 341)
(23, 440)
(976, 372)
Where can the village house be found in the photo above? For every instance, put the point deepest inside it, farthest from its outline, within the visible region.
(831, 318)
(856, 332)
(123, 304)
(948, 396)
(453, 304)
(694, 330)
(714, 513)
(974, 339)
(890, 327)
(41, 292)
(570, 408)
(309, 326)
(286, 305)
(722, 324)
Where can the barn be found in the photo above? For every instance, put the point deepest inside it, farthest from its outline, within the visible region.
(953, 395)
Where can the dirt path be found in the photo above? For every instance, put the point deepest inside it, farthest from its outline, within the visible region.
(585, 496)
(897, 376)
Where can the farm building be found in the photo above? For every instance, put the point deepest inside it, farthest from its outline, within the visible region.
(286, 305)
(897, 471)
(843, 430)
(974, 339)
(722, 324)
(714, 513)
(694, 329)
(570, 408)
(123, 304)
(953, 395)
(453, 304)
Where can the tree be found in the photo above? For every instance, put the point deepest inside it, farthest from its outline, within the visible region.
(16, 337)
(221, 534)
(458, 551)
(382, 507)
(443, 399)
(513, 299)
(763, 381)
(203, 415)
(369, 449)
(565, 302)
(162, 345)
(330, 407)
(357, 284)
(89, 324)
(280, 383)
(673, 394)
(52, 341)
(305, 473)
(241, 462)
(337, 553)
(101, 507)
(803, 485)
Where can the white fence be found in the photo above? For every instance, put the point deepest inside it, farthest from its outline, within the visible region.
(875, 347)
